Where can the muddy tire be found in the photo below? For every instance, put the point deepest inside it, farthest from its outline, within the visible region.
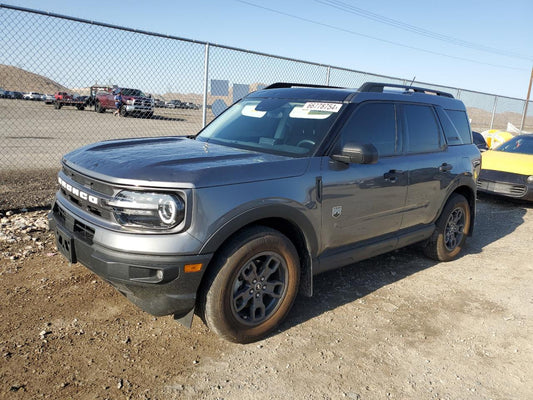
(452, 229)
(251, 285)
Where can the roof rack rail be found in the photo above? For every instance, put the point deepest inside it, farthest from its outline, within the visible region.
(379, 87)
(279, 85)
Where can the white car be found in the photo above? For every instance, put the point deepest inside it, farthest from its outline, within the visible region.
(48, 98)
(32, 96)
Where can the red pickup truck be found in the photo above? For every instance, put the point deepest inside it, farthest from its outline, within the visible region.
(66, 99)
(134, 102)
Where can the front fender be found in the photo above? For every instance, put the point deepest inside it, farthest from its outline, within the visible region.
(286, 212)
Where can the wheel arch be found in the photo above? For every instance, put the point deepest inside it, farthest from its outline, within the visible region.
(286, 220)
(470, 194)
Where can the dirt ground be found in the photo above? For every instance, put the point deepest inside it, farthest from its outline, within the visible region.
(397, 326)
(34, 135)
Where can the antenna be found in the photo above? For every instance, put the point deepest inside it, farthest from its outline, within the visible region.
(411, 84)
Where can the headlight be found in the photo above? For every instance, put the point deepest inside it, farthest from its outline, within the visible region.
(147, 210)
(530, 179)
(130, 101)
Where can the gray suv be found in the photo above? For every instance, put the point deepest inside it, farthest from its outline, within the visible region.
(289, 182)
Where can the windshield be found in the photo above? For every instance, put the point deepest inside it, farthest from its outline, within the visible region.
(132, 92)
(519, 144)
(279, 126)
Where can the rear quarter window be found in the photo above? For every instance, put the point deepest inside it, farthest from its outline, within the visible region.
(460, 121)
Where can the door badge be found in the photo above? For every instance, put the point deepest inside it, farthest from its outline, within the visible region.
(336, 211)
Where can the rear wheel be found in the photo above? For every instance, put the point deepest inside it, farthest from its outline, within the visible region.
(251, 286)
(452, 228)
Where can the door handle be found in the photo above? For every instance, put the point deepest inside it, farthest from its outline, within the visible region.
(392, 175)
(445, 167)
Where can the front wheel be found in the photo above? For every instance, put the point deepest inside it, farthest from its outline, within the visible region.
(251, 285)
(452, 228)
(123, 112)
(99, 108)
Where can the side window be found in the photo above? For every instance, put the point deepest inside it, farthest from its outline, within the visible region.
(374, 123)
(423, 134)
(450, 131)
(460, 120)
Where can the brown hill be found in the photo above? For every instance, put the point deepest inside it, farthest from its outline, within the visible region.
(17, 79)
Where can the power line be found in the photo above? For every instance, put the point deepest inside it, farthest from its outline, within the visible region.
(340, 5)
(376, 38)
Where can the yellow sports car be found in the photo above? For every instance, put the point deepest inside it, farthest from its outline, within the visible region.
(507, 170)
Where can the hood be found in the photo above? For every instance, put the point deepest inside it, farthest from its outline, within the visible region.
(179, 162)
(516, 163)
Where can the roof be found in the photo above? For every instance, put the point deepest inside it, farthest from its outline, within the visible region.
(370, 91)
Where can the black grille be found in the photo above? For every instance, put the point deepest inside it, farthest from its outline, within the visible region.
(87, 182)
(507, 189)
(92, 187)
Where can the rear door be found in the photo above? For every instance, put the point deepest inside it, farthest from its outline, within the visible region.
(430, 167)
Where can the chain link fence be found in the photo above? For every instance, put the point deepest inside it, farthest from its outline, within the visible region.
(182, 84)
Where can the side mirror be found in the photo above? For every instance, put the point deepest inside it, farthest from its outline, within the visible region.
(355, 153)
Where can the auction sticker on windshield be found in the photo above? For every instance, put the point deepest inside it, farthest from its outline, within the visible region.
(330, 107)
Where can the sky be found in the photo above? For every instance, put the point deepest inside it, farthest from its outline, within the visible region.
(485, 46)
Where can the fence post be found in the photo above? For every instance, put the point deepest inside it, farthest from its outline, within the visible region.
(527, 101)
(524, 115)
(327, 75)
(206, 85)
(493, 111)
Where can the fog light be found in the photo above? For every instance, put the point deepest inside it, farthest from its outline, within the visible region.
(530, 179)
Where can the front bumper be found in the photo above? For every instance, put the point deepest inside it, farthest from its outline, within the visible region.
(135, 108)
(156, 283)
(505, 184)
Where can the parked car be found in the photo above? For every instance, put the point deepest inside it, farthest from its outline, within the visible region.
(48, 98)
(479, 141)
(289, 182)
(174, 104)
(159, 103)
(507, 170)
(32, 96)
(18, 95)
(191, 106)
(2, 93)
(135, 102)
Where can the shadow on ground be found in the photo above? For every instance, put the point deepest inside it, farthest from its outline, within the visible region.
(495, 219)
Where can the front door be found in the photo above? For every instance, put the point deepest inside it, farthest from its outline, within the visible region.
(365, 201)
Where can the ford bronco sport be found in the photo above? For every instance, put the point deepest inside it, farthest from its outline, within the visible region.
(289, 182)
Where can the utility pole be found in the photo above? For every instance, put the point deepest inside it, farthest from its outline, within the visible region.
(527, 101)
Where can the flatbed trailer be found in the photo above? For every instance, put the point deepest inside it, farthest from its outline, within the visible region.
(79, 104)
